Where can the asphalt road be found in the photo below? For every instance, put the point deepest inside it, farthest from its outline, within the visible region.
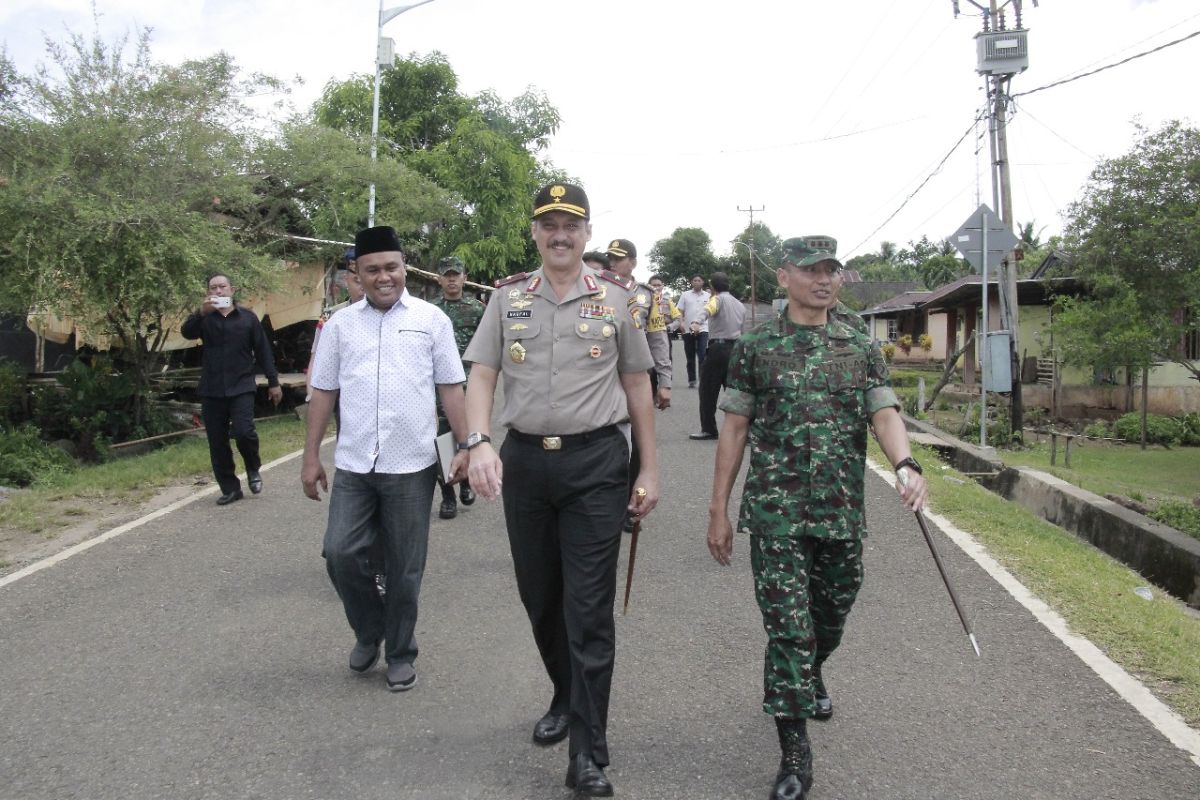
(202, 655)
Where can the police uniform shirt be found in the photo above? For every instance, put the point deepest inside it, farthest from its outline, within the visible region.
(387, 365)
(725, 316)
(560, 358)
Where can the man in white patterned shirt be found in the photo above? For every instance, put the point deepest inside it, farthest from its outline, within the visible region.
(383, 358)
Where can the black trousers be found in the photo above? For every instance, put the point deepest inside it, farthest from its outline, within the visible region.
(225, 417)
(563, 509)
(694, 347)
(712, 380)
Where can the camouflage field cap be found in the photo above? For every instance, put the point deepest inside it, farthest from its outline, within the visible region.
(451, 264)
(804, 251)
(561, 197)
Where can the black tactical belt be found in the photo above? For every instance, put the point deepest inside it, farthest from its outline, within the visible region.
(711, 342)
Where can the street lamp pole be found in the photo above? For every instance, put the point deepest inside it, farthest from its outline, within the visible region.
(384, 52)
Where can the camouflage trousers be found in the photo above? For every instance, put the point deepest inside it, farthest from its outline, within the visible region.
(805, 588)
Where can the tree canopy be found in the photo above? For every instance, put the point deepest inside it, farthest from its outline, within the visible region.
(1135, 239)
(683, 254)
(482, 150)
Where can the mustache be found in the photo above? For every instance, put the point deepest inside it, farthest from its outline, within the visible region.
(560, 242)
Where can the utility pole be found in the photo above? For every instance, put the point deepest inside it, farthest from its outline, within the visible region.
(1003, 53)
(753, 271)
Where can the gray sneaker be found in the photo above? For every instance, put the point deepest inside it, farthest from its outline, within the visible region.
(364, 656)
(401, 677)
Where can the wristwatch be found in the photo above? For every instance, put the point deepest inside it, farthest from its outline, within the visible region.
(473, 439)
(911, 463)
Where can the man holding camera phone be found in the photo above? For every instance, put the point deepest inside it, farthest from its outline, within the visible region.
(234, 344)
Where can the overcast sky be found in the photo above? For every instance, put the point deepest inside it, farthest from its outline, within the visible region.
(826, 115)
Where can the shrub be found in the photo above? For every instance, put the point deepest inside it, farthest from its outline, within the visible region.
(889, 351)
(1191, 430)
(925, 342)
(905, 343)
(1159, 430)
(12, 393)
(25, 458)
(999, 430)
(1180, 516)
(1097, 430)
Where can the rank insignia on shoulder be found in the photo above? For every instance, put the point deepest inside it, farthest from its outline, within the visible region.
(511, 279)
(613, 277)
(534, 284)
(590, 283)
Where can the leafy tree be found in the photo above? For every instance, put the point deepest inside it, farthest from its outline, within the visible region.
(686, 252)
(481, 149)
(1135, 237)
(768, 249)
(113, 172)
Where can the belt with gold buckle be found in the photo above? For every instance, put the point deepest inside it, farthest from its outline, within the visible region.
(552, 443)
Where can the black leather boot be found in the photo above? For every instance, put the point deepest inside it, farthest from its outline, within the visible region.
(824, 705)
(795, 775)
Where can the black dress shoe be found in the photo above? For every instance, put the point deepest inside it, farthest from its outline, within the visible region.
(449, 509)
(702, 435)
(466, 495)
(551, 728)
(255, 481)
(586, 778)
(226, 499)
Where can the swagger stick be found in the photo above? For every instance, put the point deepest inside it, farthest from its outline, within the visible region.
(633, 539)
(937, 559)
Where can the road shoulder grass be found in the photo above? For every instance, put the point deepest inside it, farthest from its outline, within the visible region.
(1158, 641)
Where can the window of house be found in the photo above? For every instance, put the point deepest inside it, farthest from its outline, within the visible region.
(892, 331)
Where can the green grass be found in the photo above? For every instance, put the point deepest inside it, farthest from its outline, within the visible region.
(65, 499)
(1153, 474)
(1157, 640)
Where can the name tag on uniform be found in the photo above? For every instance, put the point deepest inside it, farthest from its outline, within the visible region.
(597, 311)
(524, 313)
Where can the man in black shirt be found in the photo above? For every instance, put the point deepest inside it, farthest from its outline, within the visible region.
(234, 342)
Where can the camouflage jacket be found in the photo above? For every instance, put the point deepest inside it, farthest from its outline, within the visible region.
(464, 315)
(809, 393)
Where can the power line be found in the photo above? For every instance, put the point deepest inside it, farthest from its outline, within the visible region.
(928, 178)
(1108, 66)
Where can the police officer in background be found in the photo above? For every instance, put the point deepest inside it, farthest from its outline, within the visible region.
(464, 313)
(622, 259)
(575, 363)
(725, 315)
(802, 388)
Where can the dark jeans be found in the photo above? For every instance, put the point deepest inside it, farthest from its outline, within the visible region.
(394, 509)
(563, 509)
(225, 417)
(695, 347)
(712, 379)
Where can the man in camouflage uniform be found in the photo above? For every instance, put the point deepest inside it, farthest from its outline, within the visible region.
(464, 313)
(803, 387)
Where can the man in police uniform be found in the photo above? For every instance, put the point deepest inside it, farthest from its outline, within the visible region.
(725, 316)
(464, 313)
(622, 259)
(803, 387)
(575, 363)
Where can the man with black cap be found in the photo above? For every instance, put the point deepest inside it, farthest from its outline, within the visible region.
(234, 342)
(622, 259)
(464, 313)
(725, 315)
(383, 360)
(575, 363)
(802, 389)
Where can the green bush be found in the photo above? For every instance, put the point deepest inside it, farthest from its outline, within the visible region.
(1159, 430)
(94, 404)
(12, 394)
(1191, 430)
(1097, 430)
(25, 458)
(1180, 516)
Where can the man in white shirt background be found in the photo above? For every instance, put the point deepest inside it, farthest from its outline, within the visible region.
(695, 340)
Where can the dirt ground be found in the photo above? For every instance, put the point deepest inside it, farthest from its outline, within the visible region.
(19, 548)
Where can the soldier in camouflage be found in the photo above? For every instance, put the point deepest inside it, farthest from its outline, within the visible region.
(465, 313)
(803, 388)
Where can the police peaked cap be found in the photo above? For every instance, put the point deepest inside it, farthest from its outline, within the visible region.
(622, 248)
(561, 197)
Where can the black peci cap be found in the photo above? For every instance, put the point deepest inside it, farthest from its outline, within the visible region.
(381, 239)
